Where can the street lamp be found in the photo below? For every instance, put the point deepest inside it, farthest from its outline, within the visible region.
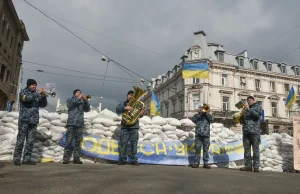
(100, 104)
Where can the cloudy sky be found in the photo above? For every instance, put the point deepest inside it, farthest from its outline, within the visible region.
(268, 29)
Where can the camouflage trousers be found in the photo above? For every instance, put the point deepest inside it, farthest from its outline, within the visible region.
(201, 141)
(73, 133)
(132, 136)
(26, 131)
(254, 141)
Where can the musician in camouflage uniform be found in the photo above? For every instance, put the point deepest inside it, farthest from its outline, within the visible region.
(202, 136)
(77, 105)
(251, 134)
(30, 102)
(128, 133)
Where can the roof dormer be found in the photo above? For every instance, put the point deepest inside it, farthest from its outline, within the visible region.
(254, 64)
(296, 69)
(240, 60)
(282, 67)
(170, 74)
(163, 78)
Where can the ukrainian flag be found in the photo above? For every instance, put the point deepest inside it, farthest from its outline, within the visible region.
(195, 70)
(291, 98)
(155, 105)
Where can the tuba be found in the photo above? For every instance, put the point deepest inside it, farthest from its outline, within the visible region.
(130, 117)
(239, 117)
(206, 108)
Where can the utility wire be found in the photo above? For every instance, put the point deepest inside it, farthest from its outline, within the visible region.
(295, 49)
(82, 39)
(66, 75)
(100, 34)
(104, 78)
(55, 67)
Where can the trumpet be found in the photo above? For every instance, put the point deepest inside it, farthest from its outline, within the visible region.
(52, 94)
(206, 108)
(88, 97)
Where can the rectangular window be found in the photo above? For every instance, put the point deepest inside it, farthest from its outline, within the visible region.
(221, 57)
(174, 107)
(2, 73)
(7, 76)
(167, 108)
(241, 62)
(272, 87)
(224, 79)
(196, 99)
(283, 69)
(274, 109)
(286, 88)
(297, 71)
(225, 103)
(269, 67)
(255, 65)
(196, 80)
(257, 85)
(243, 82)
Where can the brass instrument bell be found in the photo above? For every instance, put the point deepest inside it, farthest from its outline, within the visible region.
(88, 97)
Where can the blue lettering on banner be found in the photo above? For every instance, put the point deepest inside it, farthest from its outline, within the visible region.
(166, 153)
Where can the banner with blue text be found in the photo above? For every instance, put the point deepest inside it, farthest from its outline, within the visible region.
(166, 153)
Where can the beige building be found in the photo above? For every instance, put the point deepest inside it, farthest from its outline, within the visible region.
(12, 36)
(233, 77)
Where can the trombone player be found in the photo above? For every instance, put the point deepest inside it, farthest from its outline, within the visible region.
(30, 102)
(202, 136)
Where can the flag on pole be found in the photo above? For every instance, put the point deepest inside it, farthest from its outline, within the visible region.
(155, 105)
(291, 98)
(195, 70)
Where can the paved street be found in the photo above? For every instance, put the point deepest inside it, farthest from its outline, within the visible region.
(110, 178)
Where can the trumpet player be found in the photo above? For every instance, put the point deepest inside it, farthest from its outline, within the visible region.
(128, 133)
(251, 134)
(202, 136)
(77, 105)
(30, 102)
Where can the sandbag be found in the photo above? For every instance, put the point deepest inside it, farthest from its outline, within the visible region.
(157, 120)
(90, 115)
(7, 119)
(107, 114)
(173, 122)
(56, 136)
(98, 132)
(168, 128)
(46, 124)
(6, 130)
(63, 118)
(57, 122)
(217, 125)
(145, 120)
(58, 129)
(2, 114)
(187, 123)
(15, 115)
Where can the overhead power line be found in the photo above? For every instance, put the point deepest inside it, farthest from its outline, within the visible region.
(295, 49)
(84, 41)
(114, 39)
(55, 67)
(66, 75)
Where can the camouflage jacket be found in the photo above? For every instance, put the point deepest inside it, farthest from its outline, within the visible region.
(120, 110)
(76, 109)
(30, 102)
(203, 124)
(252, 120)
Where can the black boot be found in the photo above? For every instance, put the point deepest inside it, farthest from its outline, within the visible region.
(77, 161)
(29, 162)
(207, 166)
(135, 163)
(195, 166)
(121, 162)
(17, 163)
(246, 169)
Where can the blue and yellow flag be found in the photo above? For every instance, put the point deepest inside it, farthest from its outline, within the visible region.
(155, 105)
(195, 70)
(291, 98)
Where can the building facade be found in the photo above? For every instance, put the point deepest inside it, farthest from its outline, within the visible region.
(12, 36)
(233, 77)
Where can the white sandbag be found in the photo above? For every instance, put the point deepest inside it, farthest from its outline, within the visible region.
(217, 130)
(228, 132)
(145, 120)
(11, 125)
(223, 135)
(267, 169)
(7, 136)
(6, 157)
(56, 136)
(42, 129)
(63, 118)
(38, 144)
(90, 115)
(6, 151)
(7, 119)
(180, 133)
(145, 131)
(57, 123)
(156, 139)
(173, 122)
(217, 125)
(187, 123)
(43, 120)
(168, 128)
(157, 131)
(13, 141)
(149, 136)
(6, 130)
(98, 126)
(49, 152)
(215, 139)
(108, 122)
(58, 129)
(173, 136)
(15, 115)
(41, 136)
(140, 134)
(16, 122)
(107, 114)
(170, 133)
(155, 127)
(98, 132)
(44, 155)
(118, 130)
(51, 116)
(113, 128)
(5, 144)
(2, 114)
(108, 133)
(157, 120)
(47, 125)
